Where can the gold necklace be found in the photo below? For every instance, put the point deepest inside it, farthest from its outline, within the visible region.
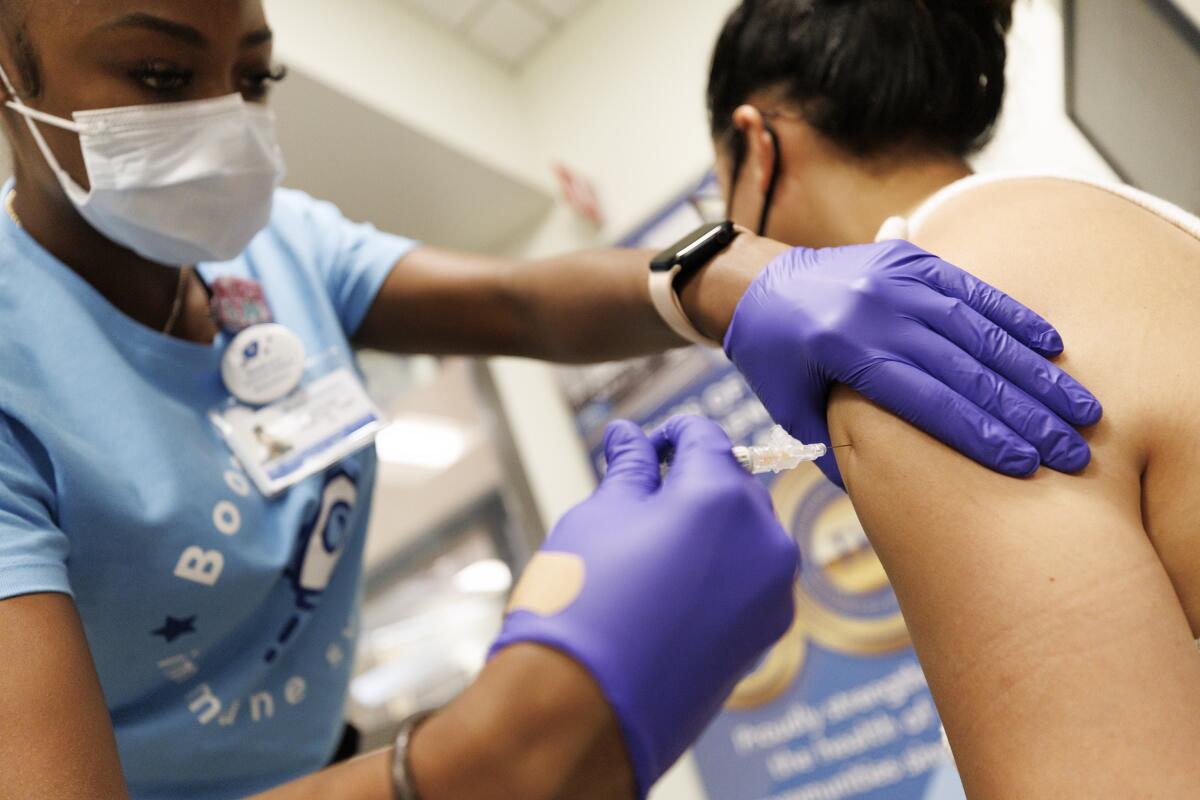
(180, 295)
(180, 288)
(10, 208)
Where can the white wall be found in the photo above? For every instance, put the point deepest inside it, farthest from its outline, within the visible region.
(382, 54)
(620, 97)
(1191, 8)
(1035, 133)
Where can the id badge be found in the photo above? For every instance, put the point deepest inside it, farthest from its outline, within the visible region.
(327, 418)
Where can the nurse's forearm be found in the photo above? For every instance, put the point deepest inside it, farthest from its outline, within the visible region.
(534, 726)
(368, 777)
(595, 306)
(591, 306)
(575, 308)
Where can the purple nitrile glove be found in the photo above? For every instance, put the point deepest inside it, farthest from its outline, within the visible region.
(674, 586)
(955, 357)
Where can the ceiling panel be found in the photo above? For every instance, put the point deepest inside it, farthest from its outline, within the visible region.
(507, 31)
(562, 9)
(450, 12)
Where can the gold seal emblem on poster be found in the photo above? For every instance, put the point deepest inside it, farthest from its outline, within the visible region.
(843, 599)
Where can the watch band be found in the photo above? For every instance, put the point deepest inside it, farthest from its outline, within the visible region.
(666, 303)
(402, 782)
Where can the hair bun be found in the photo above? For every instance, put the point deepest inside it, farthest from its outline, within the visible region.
(995, 6)
(994, 12)
(871, 75)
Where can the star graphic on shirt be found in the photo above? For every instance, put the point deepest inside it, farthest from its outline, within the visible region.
(173, 628)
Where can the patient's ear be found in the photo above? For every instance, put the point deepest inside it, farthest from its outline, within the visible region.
(760, 146)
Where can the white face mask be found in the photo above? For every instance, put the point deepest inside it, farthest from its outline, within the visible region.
(177, 183)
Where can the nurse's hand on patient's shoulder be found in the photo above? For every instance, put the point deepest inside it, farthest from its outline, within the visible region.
(665, 589)
(932, 344)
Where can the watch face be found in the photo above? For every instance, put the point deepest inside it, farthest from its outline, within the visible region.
(702, 242)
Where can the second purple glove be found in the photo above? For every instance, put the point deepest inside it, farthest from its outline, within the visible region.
(666, 589)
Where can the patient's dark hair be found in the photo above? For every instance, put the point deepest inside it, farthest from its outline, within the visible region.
(870, 75)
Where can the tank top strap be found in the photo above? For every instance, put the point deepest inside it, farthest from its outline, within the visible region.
(906, 227)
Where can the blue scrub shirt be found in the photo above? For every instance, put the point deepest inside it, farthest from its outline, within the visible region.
(222, 675)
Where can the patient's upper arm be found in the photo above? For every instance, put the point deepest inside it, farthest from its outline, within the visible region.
(1059, 655)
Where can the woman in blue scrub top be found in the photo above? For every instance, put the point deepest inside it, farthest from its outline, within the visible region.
(169, 631)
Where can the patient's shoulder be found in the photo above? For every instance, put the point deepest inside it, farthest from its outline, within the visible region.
(1121, 285)
(1069, 243)
(1119, 282)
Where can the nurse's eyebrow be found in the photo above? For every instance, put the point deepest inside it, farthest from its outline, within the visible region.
(181, 31)
(255, 38)
(178, 30)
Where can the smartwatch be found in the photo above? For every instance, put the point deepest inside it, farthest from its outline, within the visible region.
(684, 258)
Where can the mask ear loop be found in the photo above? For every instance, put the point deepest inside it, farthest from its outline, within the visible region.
(776, 171)
(74, 191)
(739, 159)
(8, 86)
(738, 143)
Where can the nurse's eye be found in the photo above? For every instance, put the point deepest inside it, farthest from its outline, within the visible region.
(257, 85)
(162, 77)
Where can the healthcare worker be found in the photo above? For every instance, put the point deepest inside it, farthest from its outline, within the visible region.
(183, 487)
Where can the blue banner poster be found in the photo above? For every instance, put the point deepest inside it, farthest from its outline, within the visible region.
(839, 708)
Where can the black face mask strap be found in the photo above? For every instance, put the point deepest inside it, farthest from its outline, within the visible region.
(776, 171)
(739, 158)
(738, 143)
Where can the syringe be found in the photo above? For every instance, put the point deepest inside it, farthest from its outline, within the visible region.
(780, 454)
